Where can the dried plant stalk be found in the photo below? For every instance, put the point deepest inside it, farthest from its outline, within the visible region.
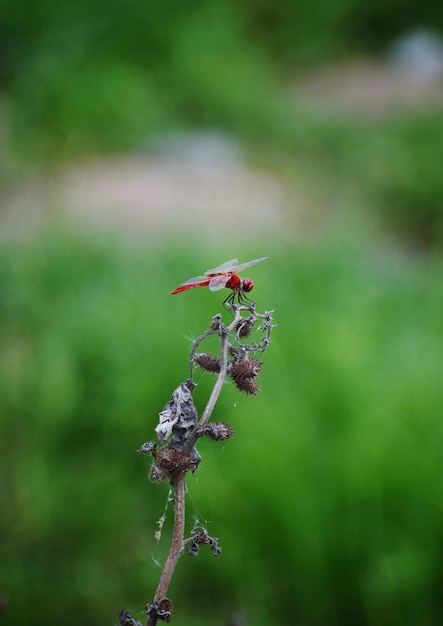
(180, 428)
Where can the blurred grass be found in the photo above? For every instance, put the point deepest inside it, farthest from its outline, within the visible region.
(327, 502)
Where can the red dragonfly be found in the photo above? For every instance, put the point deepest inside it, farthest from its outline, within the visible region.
(225, 275)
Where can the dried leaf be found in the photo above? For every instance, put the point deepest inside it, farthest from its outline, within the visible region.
(179, 415)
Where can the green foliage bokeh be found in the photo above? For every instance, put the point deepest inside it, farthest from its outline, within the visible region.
(327, 502)
(80, 78)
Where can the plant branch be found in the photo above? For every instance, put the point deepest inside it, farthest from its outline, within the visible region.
(178, 483)
(224, 335)
(179, 429)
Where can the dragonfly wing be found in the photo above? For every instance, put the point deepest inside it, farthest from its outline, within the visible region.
(224, 267)
(194, 281)
(243, 266)
(218, 281)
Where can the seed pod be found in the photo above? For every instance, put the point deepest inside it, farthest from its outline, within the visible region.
(208, 362)
(246, 368)
(244, 373)
(244, 328)
(248, 385)
(218, 431)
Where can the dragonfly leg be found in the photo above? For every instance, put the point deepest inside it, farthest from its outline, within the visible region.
(229, 301)
(238, 295)
(243, 298)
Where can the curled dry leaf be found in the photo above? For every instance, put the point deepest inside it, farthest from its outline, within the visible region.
(179, 415)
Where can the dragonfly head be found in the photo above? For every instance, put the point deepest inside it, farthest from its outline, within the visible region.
(246, 285)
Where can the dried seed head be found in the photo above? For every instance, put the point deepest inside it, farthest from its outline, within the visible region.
(176, 461)
(244, 373)
(160, 610)
(246, 368)
(248, 385)
(200, 537)
(244, 328)
(208, 362)
(218, 431)
(169, 462)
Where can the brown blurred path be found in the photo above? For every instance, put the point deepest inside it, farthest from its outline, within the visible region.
(200, 182)
(153, 196)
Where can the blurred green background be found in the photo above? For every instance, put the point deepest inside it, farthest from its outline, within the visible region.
(328, 502)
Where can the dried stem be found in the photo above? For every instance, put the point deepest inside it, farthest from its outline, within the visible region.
(178, 484)
(179, 455)
(224, 334)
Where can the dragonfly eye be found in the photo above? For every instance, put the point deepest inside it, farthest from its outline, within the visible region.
(246, 285)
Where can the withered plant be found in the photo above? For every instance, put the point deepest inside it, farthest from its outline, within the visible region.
(242, 342)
